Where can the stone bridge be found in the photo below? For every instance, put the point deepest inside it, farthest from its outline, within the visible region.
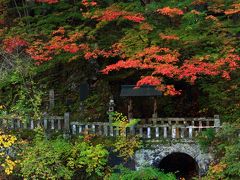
(170, 146)
(170, 141)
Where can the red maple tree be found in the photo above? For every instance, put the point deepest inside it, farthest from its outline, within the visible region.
(165, 63)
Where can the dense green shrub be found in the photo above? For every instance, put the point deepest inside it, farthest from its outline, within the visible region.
(46, 159)
(147, 173)
(59, 158)
(86, 156)
(205, 138)
(226, 147)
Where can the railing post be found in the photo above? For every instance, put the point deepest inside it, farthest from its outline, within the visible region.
(93, 129)
(66, 122)
(31, 124)
(105, 130)
(173, 132)
(190, 130)
(193, 124)
(200, 126)
(52, 123)
(149, 132)
(18, 123)
(45, 123)
(217, 122)
(80, 129)
(111, 130)
(141, 132)
(100, 132)
(74, 129)
(182, 132)
(157, 132)
(87, 129)
(117, 131)
(12, 124)
(25, 124)
(59, 124)
(165, 131)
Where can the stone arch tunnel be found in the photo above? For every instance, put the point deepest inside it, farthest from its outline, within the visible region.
(186, 160)
(182, 164)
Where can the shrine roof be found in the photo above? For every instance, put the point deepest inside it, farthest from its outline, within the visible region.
(131, 91)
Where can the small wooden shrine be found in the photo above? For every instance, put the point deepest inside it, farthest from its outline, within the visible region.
(131, 91)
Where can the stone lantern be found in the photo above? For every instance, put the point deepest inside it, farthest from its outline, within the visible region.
(111, 106)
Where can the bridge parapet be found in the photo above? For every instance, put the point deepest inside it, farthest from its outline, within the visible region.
(156, 128)
(175, 128)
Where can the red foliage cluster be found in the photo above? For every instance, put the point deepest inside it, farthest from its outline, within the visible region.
(163, 62)
(156, 81)
(192, 68)
(113, 52)
(97, 52)
(230, 61)
(38, 52)
(121, 64)
(234, 10)
(48, 1)
(13, 43)
(170, 90)
(160, 55)
(72, 48)
(169, 37)
(61, 42)
(41, 51)
(149, 80)
(135, 18)
(88, 3)
(110, 15)
(171, 12)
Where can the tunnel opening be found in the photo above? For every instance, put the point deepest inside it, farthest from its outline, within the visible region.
(181, 164)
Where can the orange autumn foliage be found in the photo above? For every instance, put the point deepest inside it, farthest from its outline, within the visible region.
(168, 37)
(110, 15)
(234, 10)
(171, 12)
